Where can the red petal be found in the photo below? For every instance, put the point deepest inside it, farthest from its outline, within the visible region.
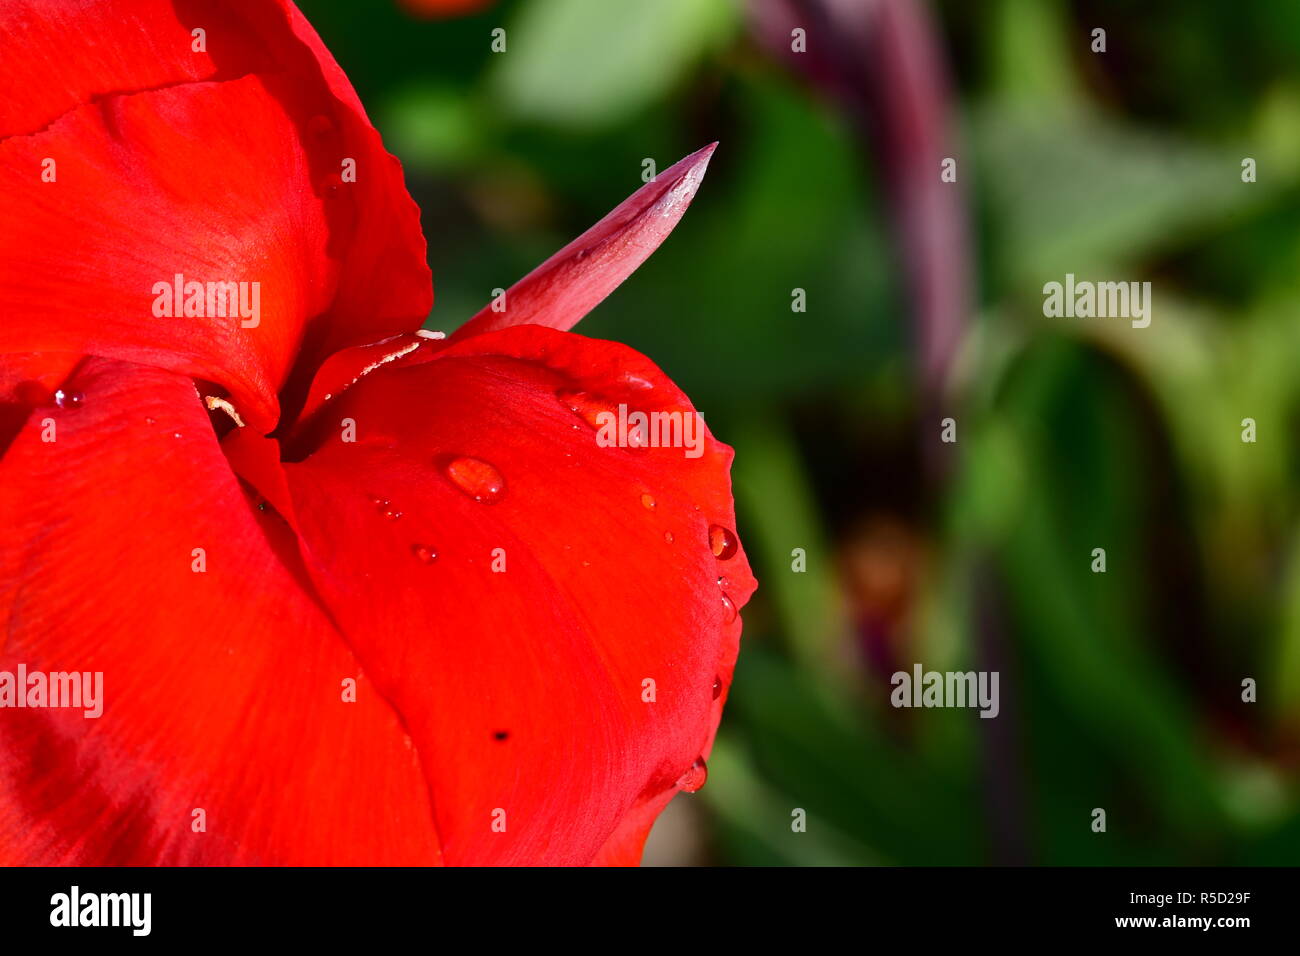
(345, 368)
(220, 165)
(27, 380)
(576, 279)
(523, 688)
(627, 844)
(221, 690)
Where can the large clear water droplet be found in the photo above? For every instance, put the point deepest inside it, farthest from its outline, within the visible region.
(695, 778)
(586, 406)
(648, 502)
(728, 610)
(476, 478)
(722, 542)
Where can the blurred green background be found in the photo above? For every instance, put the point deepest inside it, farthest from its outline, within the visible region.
(1120, 690)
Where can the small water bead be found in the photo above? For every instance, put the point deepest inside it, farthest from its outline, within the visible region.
(722, 542)
(424, 554)
(728, 606)
(68, 399)
(695, 778)
(668, 536)
(585, 406)
(717, 687)
(320, 126)
(601, 414)
(476, 478)
(648, 502)
(386, 509)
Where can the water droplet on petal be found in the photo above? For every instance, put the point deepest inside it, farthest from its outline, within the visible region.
(476, 478)
(692, 780)
(717, 687)
(648, 502)
(722, 542)
(585, 406)
(68, 399)
(386, 509)
(320, 126)
(728, 610)
(424, 554)
(668, 536)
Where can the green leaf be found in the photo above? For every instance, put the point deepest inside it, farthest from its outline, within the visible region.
(586, 63)
(1074, 191)
(758, 820)
(780, 510)
(1090, 652)
(831, 760)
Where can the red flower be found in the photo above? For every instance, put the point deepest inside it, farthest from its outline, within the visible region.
(537, 630)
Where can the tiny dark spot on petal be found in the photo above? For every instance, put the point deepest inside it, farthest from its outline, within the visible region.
(501, 735)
